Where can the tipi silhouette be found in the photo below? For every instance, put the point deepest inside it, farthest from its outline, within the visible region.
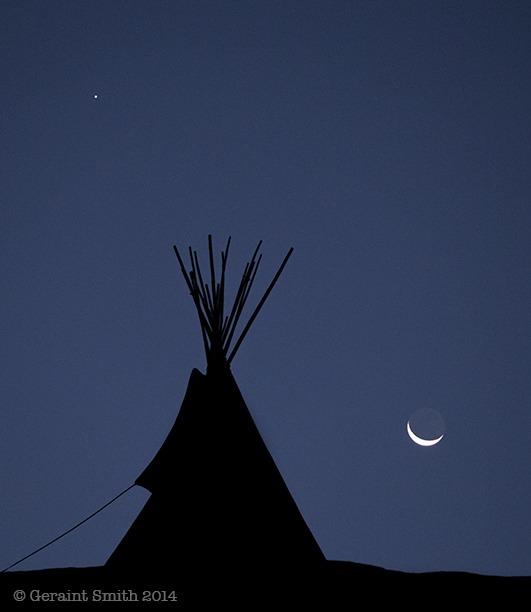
(218, 504)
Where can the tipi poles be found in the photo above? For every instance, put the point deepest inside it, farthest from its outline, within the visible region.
(257, 309)
(209, 301)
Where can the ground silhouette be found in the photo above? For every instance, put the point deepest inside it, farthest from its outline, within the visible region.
(336, 585)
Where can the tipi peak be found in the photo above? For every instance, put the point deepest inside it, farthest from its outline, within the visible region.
(218, 327)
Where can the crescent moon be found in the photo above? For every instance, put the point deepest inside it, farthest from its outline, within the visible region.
(421, 441)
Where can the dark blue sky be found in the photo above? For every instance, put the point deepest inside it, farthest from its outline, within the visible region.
(389, 143)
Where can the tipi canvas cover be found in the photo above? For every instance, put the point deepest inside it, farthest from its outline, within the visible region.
(218, 502)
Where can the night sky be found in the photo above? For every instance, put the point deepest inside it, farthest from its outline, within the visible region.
(389, 143)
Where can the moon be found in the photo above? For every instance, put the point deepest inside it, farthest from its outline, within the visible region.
(428, 425)
(421, 441)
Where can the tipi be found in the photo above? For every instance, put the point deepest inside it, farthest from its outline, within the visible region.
(218, 502)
